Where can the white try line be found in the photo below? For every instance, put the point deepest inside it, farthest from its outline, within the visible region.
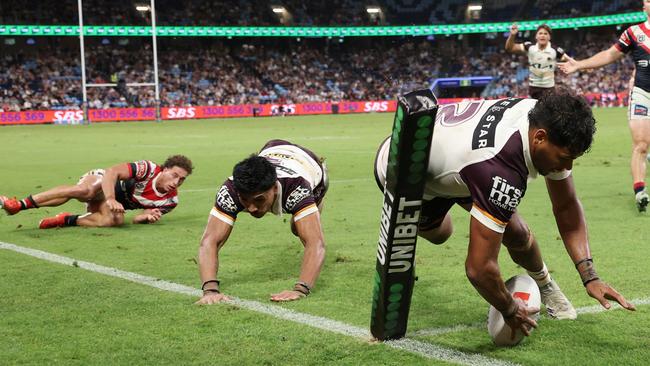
(423, 349)
(593, 309)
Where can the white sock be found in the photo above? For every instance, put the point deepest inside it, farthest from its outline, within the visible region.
(541, 277)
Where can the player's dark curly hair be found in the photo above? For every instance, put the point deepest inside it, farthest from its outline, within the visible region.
(253, 175)
(567, 118)
(180, 161)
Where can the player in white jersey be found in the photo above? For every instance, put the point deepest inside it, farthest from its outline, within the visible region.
(283, 177)
(482, 156)
(634, 40)
(109, 192)
(542, 59)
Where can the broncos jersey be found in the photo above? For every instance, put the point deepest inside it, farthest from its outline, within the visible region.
(542, 64)
(480, 151)
(302, 183)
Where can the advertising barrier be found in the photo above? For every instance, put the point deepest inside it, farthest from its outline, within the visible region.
(69, 117)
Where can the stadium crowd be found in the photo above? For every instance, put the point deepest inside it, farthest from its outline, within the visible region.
(227, 74)
(307, 13)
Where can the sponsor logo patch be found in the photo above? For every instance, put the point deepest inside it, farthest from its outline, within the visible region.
(296, 196)
(640, 110)
(225, 200)
(504, 195)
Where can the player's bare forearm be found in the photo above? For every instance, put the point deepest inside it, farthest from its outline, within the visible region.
(600, 59)
(111, 176)
(214, 237)
(482, 268)
(312, 262)
(569, 217)
(311, 234)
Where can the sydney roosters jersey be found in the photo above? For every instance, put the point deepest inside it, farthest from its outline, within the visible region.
(480, 151)
(636, 39)
(139, 192)
(302, 183)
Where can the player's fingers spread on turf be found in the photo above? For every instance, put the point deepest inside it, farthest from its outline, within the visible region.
(614, 295)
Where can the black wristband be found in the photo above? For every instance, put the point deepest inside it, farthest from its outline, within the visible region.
(587, 271)
(302, 287)
(211, 290)
(210, 281)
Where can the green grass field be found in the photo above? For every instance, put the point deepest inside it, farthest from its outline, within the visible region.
(56, 314)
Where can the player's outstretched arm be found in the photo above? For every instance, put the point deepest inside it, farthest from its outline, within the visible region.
(600, 59)
(148, 216)
(483, 272)
(311, 234)
(111, 176)
(214, 237)
(571, 223)
(511, 46)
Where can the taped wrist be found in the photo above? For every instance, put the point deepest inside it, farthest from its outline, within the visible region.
(587, 271)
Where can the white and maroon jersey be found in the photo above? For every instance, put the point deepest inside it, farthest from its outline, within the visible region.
(542, 64)
(480, 151)
(139, 191)
(302, 183)
(636, 39)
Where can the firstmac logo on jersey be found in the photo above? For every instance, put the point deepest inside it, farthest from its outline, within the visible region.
(505, 195)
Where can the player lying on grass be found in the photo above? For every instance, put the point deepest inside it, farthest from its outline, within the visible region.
(109, 192)
(283, 177)
(483, 153)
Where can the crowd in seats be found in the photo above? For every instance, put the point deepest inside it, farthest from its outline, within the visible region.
(228, 73)
(299, 13)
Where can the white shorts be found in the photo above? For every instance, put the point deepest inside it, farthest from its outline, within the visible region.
(639, 107)
(96, 172)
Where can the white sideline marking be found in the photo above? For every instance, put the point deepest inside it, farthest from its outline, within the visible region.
(592, 309)
(410, 345)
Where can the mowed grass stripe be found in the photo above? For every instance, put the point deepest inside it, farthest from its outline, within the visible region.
(410, 345)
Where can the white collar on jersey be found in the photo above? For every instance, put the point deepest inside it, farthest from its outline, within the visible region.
(153, 186)
(647, 24)
(276, 208)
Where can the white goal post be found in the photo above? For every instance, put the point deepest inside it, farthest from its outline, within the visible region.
(85, 85)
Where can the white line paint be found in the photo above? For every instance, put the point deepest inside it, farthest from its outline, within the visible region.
(593, 309)
(423, 349)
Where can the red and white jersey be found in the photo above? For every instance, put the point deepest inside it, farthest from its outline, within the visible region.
(636, 39)
(139, 192)
(480, 150)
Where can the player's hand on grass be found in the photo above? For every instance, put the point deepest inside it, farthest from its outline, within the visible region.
(153, 215)
(287, 295)
(514, 29)
(212, 298)
(114, 206)
(521, 320)
(602, 292)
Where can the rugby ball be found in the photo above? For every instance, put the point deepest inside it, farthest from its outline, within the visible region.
(525, 288)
